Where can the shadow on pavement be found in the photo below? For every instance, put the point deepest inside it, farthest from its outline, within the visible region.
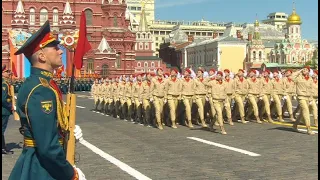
(11, 146)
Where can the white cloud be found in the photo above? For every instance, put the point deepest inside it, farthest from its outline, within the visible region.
(171, 3)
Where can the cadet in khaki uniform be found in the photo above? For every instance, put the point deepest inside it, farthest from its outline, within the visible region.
(106, 97)
(173, 95)
(99, 94)
(254, 92)
(230, 94)
(122, 97)
(304, 84)
(266, 90)
(289, 93)
(94, 93)
(158, 92)
(129, 98)
(277, 92)
(102, 95)
(209, 98)
(200, 95)
(116, 98)
(187, 92)
(146, 96)
(219, 97)
(110, 97)
(241, 89)
(314, 97)
(137, 90)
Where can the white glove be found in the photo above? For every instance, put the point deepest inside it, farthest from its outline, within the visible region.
(295, 97)
(140, 102)
(165, 100)
(15, 97)
(207, 99)
(78, 133)
(310, 102)
(151, 99)
(260, 97)
(80, 173)
(271, 99)
(284, 97)
(317, 102)
(14, 107)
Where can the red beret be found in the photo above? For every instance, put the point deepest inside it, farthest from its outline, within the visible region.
(188, 70)
(241, 70)
(253, 71)
(200, 69)
(174, 69)
(289, 70)
(213, 70)
(315, 72)
(159, 69)
(307, 67)
(227, 71)
(275, 71)
(142, 74)
(220, 72)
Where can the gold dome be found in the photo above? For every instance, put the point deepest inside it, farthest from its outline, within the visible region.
(294, 18)
(256, 23)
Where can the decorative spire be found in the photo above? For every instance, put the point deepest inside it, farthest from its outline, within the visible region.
(104, 45)
(293, 7)
(67, 20)
(19, 18)
(143, 25)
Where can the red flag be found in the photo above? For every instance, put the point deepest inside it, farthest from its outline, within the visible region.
(13, 58)
(83, 44)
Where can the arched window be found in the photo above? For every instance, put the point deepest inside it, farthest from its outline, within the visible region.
(104, 70)
(139, 64)
(254, 54)
(297, 30)
(118, 61)
(152, 64)
(115, 21)
(32, 16)
(90, 66)
(43, 16)
(88, 13)
(260, 55)
(55, 17)
(145, 64)
(146, 46)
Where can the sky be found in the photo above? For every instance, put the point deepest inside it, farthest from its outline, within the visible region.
(239, 11)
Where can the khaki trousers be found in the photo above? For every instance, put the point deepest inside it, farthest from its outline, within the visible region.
(266, 104)
(158, 105)
(239, 99)
(314, 108)
(218, 106)
(228, 105)
(288, 104)
(277, 101)
(213, 111)
(253, 99)
(173, 104)
(187, 101)
(200, 101)
(304, 109)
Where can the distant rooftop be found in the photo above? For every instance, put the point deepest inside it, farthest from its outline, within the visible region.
(193, 23)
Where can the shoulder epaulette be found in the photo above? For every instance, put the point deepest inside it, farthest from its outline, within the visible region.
(44, 82)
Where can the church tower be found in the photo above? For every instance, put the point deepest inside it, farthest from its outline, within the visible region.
(294, 26)
(255, 46)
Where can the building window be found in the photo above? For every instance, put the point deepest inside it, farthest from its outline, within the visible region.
(260, 55)
(115, 21)
(157, 38)
(145, 64)
(104, 70)
(43, 16)
(140, 46)
(254, 55)
(88, 13)
(297, 30)
(139, 8)
(152, 64)
(146, 46)
(32, 16)
(89, 37)
(139, 64)
(55, 18)
(118, 61)
(90, 66)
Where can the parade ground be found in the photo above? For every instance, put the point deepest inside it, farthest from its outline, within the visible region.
(116, 149)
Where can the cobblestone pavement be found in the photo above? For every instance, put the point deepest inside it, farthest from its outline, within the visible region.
(170, 154)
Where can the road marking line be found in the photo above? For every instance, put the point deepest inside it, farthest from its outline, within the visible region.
(80, 107)
(224, 146)
(136, 174)
(304, 130)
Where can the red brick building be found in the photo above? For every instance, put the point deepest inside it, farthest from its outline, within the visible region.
(113, 43)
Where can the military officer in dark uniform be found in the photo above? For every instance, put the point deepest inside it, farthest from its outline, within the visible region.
(41, 111)
(6, 106)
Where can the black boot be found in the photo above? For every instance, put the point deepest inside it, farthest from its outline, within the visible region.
(4, 149)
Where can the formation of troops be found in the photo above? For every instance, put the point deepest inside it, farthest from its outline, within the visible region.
(206, 98)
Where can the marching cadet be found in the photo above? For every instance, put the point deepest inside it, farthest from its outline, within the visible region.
(173, 95)
(187, 92)
(230, 94)
(137, 90)
(41, 111)
(129, 98)
(209, 97)
(100, 92)
(158, 92)
(116, 98)
(219, 97)
(266, 89)
(277, 92)
(7, 106)
(241, 90)
(200, 95)
(94, 93)
(303, 84)
(106, 95)
(254, 92)
(122, 97)
(146, 96)
(289, 93)
(314, 97)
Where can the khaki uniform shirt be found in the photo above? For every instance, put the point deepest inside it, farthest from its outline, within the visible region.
(303, 84)
(200, 87)
(172, 87)
(240, 86)
(254, 86)
(187, 87)
(277, 86)
(218, 90)
(266, 86)
(157, 87)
